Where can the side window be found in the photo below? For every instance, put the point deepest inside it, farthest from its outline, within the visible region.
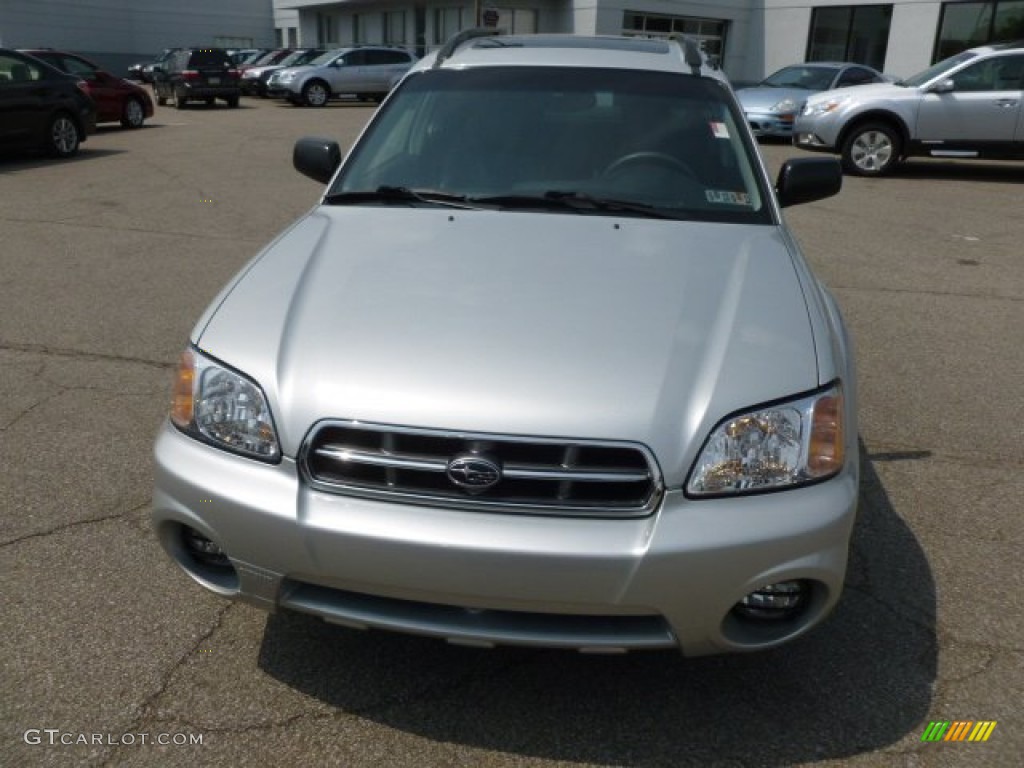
(13, 71)
(390, 57)
(78, 67)
(351, 59)
(1010, 73)
(982, 76)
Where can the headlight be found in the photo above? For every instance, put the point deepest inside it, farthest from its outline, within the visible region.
(824, 107)
(222, 407)
(778, 446)
(250, 75)
(786, 105)
(287, 77)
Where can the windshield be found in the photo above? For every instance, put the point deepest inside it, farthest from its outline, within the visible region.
(555, 138)
(325, 58)
(293, 58)
(299, 58)
(809, 78)
(936, 69)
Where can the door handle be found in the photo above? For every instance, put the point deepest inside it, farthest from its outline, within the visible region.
(1006, 103)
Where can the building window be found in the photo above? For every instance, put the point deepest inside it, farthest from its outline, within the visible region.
(518, 21)
(394, 28)
(293, 37)
(850, 33)
(710, 33)
(326, 31)
(966, 25)
(447, 23)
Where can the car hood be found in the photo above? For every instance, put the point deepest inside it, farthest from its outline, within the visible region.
(765, 98)
(257, 71)
(873, 91)
(518, 323)
(294, 70)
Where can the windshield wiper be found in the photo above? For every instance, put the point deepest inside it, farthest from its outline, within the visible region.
(388, 194)
(555, 199)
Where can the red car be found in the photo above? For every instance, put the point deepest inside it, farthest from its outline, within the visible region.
(117, 100)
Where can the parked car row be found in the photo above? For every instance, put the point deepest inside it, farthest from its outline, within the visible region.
(303, 76)
(968, 106)
(255, 76)
(772, 105)
(52, 100)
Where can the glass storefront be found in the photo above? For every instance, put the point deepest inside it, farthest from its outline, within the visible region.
(857, 33)
(966, 25)
(709, 32)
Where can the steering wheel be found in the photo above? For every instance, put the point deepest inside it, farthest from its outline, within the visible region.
(650, 158)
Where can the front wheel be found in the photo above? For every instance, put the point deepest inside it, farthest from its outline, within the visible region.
(872, 149)
(62, 139)
(133, 115)
(180, 98)
(315, 94)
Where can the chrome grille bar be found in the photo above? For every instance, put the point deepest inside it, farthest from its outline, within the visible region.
(535, 475)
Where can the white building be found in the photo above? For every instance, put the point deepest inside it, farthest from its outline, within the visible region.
(751, 37)
(117, 33)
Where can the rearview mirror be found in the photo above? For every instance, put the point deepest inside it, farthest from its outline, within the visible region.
(943, 86)
(316, 158)
(806, 179)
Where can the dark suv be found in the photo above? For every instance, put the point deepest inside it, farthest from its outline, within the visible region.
(197, 74)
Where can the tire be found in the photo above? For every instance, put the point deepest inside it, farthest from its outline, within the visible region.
(133, 115)
(232, 102)
(210, 102)
(180, 99)
(872, 149)
(316, 94)
(62, 136)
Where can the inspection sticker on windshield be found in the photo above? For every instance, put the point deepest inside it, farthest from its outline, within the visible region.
(720, 130)
(726, 197)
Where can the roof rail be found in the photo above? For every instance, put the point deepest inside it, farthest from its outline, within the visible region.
(691, 51)
(467, 34)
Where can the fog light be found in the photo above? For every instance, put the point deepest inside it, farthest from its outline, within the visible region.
(204, 550)
(773, 602)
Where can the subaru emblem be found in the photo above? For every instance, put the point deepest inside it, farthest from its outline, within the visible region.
(473, 473)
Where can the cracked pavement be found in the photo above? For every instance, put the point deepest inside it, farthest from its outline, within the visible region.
(107, 260)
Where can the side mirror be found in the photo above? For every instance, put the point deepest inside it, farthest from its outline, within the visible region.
(943, 86)
(806, 179)
(316, 158)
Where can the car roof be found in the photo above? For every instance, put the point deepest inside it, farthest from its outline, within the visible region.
(488, 47)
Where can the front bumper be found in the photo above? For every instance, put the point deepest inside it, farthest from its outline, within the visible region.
(771, 124)
(668, 580)
(819, 132)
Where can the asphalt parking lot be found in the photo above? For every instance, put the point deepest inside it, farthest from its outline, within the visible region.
(113, 657)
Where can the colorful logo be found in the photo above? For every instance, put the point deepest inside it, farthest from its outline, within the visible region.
(958, 730)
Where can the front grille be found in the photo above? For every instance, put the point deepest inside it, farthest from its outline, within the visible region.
(526, 475)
